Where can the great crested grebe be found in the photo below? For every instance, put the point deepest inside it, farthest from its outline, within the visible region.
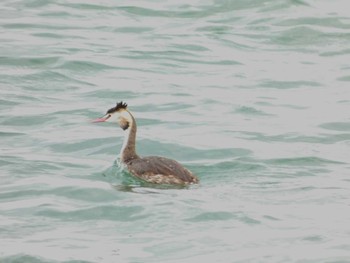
(152, 169)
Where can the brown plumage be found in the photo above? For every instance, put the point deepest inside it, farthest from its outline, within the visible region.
(160, 170)
(152, 169)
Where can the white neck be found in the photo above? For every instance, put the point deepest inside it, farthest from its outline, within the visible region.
(126, 139)
(128, 151)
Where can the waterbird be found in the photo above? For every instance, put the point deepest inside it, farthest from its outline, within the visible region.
(152, 169)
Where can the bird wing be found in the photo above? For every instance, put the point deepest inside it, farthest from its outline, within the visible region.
(160, 170)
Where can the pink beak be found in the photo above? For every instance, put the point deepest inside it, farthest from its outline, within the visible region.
(99, 120)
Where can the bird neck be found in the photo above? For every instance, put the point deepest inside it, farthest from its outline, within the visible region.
(128, 151)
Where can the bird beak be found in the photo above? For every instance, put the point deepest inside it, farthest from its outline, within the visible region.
(103, 119)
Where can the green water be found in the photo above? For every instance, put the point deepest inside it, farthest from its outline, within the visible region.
(252, 96)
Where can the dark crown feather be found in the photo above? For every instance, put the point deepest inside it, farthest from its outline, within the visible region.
(120, 105)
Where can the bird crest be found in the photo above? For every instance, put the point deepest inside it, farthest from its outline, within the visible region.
(119, 106)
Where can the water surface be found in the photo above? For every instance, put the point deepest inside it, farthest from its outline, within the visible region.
(252, 96)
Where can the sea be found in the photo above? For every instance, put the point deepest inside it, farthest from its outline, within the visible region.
(253, 96)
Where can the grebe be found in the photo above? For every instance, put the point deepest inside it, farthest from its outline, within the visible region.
(152, 169)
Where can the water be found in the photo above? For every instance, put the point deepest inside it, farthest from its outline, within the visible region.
(253, 96)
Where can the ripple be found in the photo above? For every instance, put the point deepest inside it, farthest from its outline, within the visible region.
(87, 6)
(295, 137)
(223, 216)
(251, 111)
(336, 53)
(336, 126)
(22, 120)
(30, 26)
(57, 36)
(113, 213)
(332, 22)
(140, 11)
(344, 78)
(85, 66)
(11, 134)
(289, 84)
(136, 30)
(24, 258)
(32, 62)
(212, 216)
(302, 161)
(49, 77)
(301, 35)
